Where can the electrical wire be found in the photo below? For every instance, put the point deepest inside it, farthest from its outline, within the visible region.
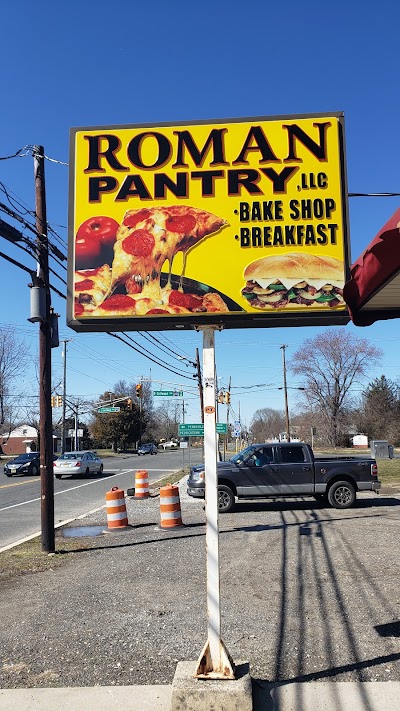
(147, 351)
(17, 264)
(154, 361)
(162, 346)
(373, 194)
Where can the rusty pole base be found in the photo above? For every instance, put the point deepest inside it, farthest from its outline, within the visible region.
(205, 667)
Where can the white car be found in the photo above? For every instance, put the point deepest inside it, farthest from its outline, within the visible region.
(84, 463)
(169, 445)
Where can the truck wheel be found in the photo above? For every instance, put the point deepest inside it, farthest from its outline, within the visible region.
(342, 495)
(226, 499)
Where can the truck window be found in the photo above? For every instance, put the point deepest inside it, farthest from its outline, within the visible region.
(293, 455)
(262, 456)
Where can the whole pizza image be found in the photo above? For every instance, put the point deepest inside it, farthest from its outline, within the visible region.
(227, 218)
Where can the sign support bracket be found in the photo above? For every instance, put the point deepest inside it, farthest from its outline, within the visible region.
(214, 661)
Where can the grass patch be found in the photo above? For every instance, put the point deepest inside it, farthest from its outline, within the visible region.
(27, 558)
(170, 479)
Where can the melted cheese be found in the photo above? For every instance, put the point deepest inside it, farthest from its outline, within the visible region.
(289, 283)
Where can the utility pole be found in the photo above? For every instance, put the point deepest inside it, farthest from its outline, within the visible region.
(64, 341)
(200, 382)
(45, 425)
(227, 417)
(283, 348)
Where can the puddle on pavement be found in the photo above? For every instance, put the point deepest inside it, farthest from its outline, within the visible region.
(81, 531)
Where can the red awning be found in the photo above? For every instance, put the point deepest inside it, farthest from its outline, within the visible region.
(373, 292)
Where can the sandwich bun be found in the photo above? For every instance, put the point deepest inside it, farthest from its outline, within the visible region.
(295, 265)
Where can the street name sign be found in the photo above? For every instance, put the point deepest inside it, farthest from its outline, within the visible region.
(197, 429)
(109, 409)
(168, 393)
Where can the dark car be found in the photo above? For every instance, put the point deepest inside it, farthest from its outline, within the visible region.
(27, 463)
(149, 448)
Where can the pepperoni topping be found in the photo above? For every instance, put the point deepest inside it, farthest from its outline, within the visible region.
(84, 285)
(118, 302)
(140, 243)
(78, 309)
(133, 220)
(188, 301)
(157, 311)
(184, 224)
(133, 287)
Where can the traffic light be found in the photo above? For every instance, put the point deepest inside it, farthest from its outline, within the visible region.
(139, 390)
(129, 404)
(59, 401)
(53, 401)
(227, 397)
(221, 396)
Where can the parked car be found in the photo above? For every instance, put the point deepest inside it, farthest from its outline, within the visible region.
(73, 463)
(27, 463)
(149, 448)
(287, 469)
(169, 445)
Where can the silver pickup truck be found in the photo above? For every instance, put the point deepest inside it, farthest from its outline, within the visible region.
(287, 469)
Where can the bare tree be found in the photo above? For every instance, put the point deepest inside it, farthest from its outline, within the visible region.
(12, 362)
(267, 424)
(330, 365)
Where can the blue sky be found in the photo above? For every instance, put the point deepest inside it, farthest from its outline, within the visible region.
(101, 63)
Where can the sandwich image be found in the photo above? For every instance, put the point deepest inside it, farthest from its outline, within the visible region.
(294, 280)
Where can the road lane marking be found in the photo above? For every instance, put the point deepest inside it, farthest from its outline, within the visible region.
(79, 486)
(18, 483)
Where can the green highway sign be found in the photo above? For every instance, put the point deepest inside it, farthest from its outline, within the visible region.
(109, 409)
(168, 393)
(197, 430)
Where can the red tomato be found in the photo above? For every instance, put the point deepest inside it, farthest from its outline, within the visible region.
(87, 252)
(102, 227)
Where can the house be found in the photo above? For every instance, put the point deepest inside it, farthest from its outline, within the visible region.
(22, 439)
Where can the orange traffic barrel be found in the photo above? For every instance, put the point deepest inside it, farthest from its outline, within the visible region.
(142, 484)
(170, 507)
(116, 508)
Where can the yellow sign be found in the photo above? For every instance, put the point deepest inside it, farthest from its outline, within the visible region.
(240, 223)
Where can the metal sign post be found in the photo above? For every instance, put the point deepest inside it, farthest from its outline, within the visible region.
(214, 661)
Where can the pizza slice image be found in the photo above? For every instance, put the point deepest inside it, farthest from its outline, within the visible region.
(90, 287)
(149, 237)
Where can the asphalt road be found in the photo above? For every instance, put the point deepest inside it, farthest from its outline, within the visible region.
(20, 495)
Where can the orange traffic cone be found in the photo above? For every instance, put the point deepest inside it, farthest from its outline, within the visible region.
(170, 507)
(116, 509)
(142, 484)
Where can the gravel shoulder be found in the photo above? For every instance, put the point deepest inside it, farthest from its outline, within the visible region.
(307, 594)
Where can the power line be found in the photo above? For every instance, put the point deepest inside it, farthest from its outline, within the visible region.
(154, 361)
(146, 351)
